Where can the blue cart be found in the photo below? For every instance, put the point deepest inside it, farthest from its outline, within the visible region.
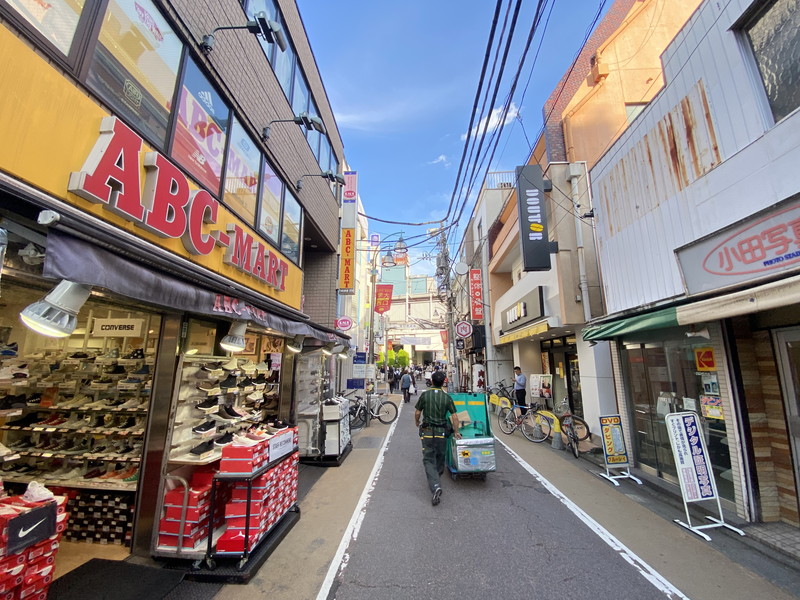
(474, 454)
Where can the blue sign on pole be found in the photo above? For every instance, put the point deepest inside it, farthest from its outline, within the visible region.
(360, 358)
(355, 384)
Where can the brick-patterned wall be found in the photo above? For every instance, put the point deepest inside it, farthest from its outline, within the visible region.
(571, 81)
(319, 287)
(765, 408)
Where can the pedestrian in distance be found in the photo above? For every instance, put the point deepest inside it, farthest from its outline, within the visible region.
(519, 388)
(390, 379)
(433, 407)
(405, 385)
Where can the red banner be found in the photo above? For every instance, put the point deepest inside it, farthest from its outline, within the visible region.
(383, 297)
(443, 332)
(476, 294)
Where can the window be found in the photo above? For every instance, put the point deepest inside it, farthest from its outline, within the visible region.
(300, 94)
(292, 223)
(135, 66)
(775, 41)
(267, 6)
(632, 110)
(201, 130)
(241, 174)
(283, 66)
(56, 20)
(269, 219)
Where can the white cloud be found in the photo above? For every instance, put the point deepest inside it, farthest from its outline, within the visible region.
(440, 159)
(494, 121)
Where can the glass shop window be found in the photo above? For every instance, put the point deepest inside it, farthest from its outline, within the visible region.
(291, 231)
(56, 20)
(269, 219)
(241, 174)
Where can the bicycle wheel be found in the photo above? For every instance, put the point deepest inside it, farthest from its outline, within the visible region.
(536, 427)
(572, 441)
(507, 420)
(358, 417)
(581, 428)
(387, 412)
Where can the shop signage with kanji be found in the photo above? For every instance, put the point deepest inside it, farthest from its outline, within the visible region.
(347, 271)
(476, 294)
(383, 297)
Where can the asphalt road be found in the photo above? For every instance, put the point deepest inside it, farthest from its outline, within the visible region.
(506, 537)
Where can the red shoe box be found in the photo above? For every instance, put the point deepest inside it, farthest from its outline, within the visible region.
(168, 527)
(239, 509)
(233, 541)
(245, 452)
(195, 499)
(9, 595)
(189, 541)
(47, 546)
(256, 523)
(256, 494)
(240, 466)
(192, 515)
(202, 477)
(39, 579)
(12, 560)
(12, 578)
(32, 592)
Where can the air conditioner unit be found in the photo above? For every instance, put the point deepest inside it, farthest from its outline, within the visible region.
(599, 70)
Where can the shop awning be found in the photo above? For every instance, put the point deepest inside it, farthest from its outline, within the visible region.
(80, 261)
(524, 332)
(767, 296)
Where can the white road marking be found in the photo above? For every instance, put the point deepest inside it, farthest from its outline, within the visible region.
(648, 572)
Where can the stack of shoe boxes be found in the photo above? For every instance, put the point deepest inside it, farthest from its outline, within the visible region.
(197, 515)
(26, 574)
(271, 495)
(100, 517)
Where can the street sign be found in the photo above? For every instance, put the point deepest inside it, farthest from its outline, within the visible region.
(344, 323)
(459, 344)
(463, 329)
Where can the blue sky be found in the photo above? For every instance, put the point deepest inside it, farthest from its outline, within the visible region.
(401, 78)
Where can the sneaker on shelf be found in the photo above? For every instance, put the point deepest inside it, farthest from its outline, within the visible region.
(132, 477)
(36, 492)
(242, 440)
(93, 473)
(224, 440)
(33, 400)
(262, 366)
(113, 353)
(228, 383)
(205, 428)
(135, 354)
(260, 380)
(74, 422)
(114, 370)
(203, 448)
(246, 385)
(224, 414)
(208, 405)
(9, 349)
(130, 422)
(248, 367)
(79, 355)
(143, 370)
(110, 474)
(237, 410)
(210, 387)
(5, 450)
(123, 473)
(129, 380)
(231, 365)
(131, 403)
(256, 396)
(14, 372)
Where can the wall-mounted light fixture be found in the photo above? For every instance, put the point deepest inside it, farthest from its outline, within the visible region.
(701, 333)
(234, 341)
(588, 215)
(308, 121)
(329, 175)
(327, 349)
(271, 31)
(296, 345)
(56, 315)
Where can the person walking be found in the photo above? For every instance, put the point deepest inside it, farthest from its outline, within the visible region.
(390, 378)
(433, 407)
(519, 388)
(405, 385)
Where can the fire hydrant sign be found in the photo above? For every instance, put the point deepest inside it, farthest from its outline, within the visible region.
(691, 457)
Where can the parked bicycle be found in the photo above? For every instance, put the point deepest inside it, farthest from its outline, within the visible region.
(511, 418)
(372, 408)
(505, 398)
(539, 424)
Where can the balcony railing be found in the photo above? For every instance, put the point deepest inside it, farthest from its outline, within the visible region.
(500, 180)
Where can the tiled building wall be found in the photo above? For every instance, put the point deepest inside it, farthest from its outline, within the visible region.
(319, 288)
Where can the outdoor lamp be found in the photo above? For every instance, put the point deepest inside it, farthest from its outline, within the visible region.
(329, 175)
(388, 259)
(400, 247)
(296, 345)
(56, 315)
(234, 341)
(308, 121)
(271, 31)
(327, 349)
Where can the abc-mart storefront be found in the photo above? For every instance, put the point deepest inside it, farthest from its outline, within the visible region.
(154, 266)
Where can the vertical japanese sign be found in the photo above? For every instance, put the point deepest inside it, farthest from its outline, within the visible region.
(691, 457)
(350, 190)
(383, 297)
(443, 332)
(476, 294)
(347, 262)
(614, 449)
(532, 219)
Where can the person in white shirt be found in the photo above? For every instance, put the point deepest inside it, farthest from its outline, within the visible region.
(519, 388)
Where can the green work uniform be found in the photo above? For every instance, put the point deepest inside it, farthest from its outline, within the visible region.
(436, 405)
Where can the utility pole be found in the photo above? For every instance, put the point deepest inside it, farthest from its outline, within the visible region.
(444, 265)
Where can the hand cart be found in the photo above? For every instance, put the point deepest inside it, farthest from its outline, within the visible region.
(474, 454)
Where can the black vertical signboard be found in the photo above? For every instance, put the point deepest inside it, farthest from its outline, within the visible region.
(532, 219)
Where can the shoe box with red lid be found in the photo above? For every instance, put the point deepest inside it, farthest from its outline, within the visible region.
(26, 573)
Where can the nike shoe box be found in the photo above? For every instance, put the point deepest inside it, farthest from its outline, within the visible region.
(236, 466)
(9, 580)
(192, 515)
(233, 541)
(241, 522)
(48, 546)
(257, 494)
(245, 452)
(168, 527)
(195, 498)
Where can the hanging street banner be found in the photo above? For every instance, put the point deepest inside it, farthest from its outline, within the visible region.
(476, 294)
(691, 457)
(532, 219)
(616, 454)
(350, 190)
(347, 263)
(383, 297)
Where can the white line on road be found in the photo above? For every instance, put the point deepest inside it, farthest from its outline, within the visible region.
(341, 558)
(646, 570)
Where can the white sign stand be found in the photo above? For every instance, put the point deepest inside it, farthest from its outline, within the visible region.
(614, 450)
(694, 469)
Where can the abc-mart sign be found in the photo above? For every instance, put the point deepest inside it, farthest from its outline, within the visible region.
(165, 205)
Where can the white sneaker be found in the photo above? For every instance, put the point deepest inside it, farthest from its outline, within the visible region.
(262, 366)
(36, 492)
(248, 367)
(240, 440)
(231, 365)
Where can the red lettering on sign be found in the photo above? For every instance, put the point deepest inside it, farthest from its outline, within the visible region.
(202, 209)
(166, 191)
(240, 249)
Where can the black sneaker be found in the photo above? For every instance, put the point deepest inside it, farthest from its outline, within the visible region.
(224, 440)
(79, 355)
(260, 379)
(223, 413)
(246, 382)
(127, 424)
(230, 382)
(203, 448)
(205, 427)
(136, 354)
(208, 404)
(115, 370)
(437, 496)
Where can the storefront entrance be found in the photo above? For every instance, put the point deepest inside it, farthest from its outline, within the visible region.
(788, 348)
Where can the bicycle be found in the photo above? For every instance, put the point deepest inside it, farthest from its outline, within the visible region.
(544, 423)
(360, 410)
(504, 396)
(580, 426)
(509, 419)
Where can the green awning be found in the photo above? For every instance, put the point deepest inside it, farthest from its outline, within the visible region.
(659, 319)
